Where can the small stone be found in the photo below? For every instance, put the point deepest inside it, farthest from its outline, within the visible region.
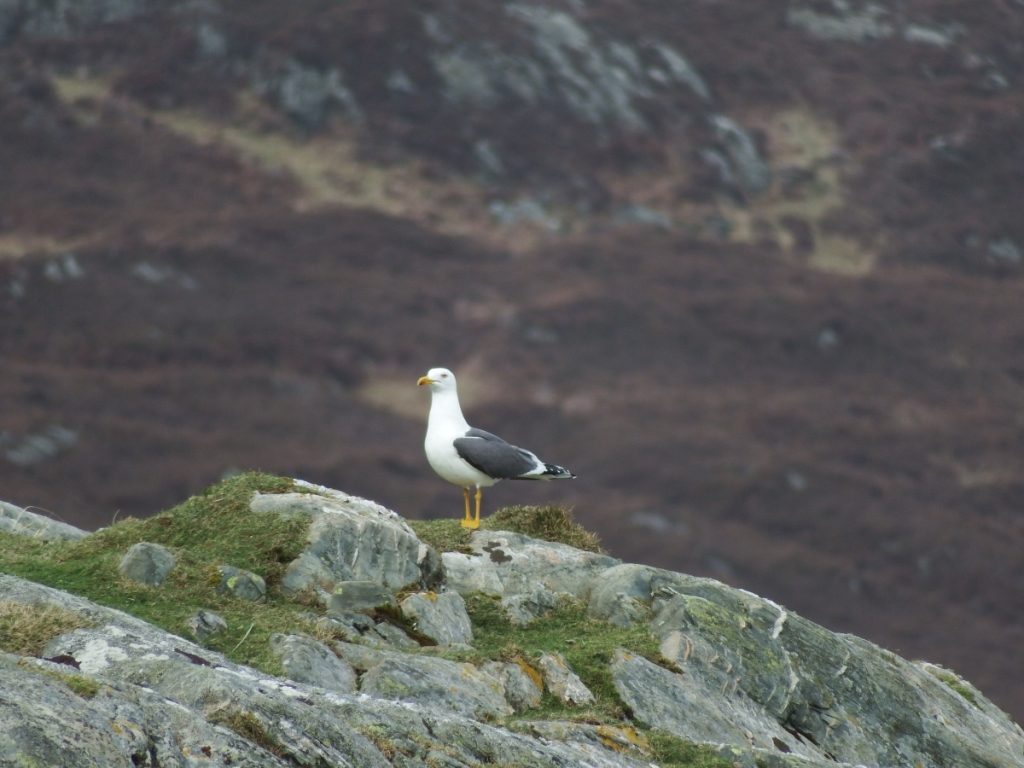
(147, 563)
(204, 623)
(563, 683)
(358, 596)
(304, 660)
(243, 584)
(441, 617)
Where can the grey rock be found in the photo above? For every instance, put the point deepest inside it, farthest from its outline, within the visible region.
(505, 563)
(849, 22)
(307, 94)
(147, 563)
(596, 738)
(22, 522)
(203, 624)
(525, 209)
(304, 660)
(940, 37)
(1005, 251)
(350, 539)
(394, 636)
(564, 684)
(813, 682)
(63, 18)
(242, 584)
(210, 41)
(357, 596)
(44, 723)
(751, 172)
(459, 687)
(187, 690)
(36, 447)
(623, 594)
(523, 609)
(688, 707)
(440, 616)
(550, 57)
(521, 689)
(63, 268)
(642, 214)
(360, 628)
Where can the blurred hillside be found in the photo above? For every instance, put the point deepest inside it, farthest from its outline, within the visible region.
(752, 270)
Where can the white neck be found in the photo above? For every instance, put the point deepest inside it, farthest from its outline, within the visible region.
(445, 412)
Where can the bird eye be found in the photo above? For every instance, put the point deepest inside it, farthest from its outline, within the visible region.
(444, 375)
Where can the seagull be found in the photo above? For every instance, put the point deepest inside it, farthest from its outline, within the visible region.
(470, 457)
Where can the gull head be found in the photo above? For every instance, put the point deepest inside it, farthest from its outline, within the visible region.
(438, 379)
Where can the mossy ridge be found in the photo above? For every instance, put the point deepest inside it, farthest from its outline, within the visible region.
(550, 523)
(80, 685)
(957, 684)
(587, 644)
(741, 637)
(213, 527)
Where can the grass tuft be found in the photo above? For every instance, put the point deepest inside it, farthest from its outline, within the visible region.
(249, 727)
(548, 523)
(672, 752)
(26, 629)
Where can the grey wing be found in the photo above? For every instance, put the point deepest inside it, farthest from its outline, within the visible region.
(493, 456)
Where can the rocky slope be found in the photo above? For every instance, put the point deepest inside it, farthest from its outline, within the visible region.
(751, 270)
(505, 650)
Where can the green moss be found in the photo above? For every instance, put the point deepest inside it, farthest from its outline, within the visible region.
(83, 686)
(957, 685)
(209, 529)
(548, 523)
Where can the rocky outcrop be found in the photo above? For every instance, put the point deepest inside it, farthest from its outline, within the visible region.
(502, 563)
(22, 522)
(350, 539)
(733, 672)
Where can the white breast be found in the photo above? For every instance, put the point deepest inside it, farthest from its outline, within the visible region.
(445, 460)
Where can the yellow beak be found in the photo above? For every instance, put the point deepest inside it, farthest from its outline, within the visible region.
(422, 380)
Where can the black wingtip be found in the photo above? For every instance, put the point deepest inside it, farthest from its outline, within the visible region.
(553, 470)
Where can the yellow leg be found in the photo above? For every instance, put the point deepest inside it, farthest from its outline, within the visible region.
(467, 520)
